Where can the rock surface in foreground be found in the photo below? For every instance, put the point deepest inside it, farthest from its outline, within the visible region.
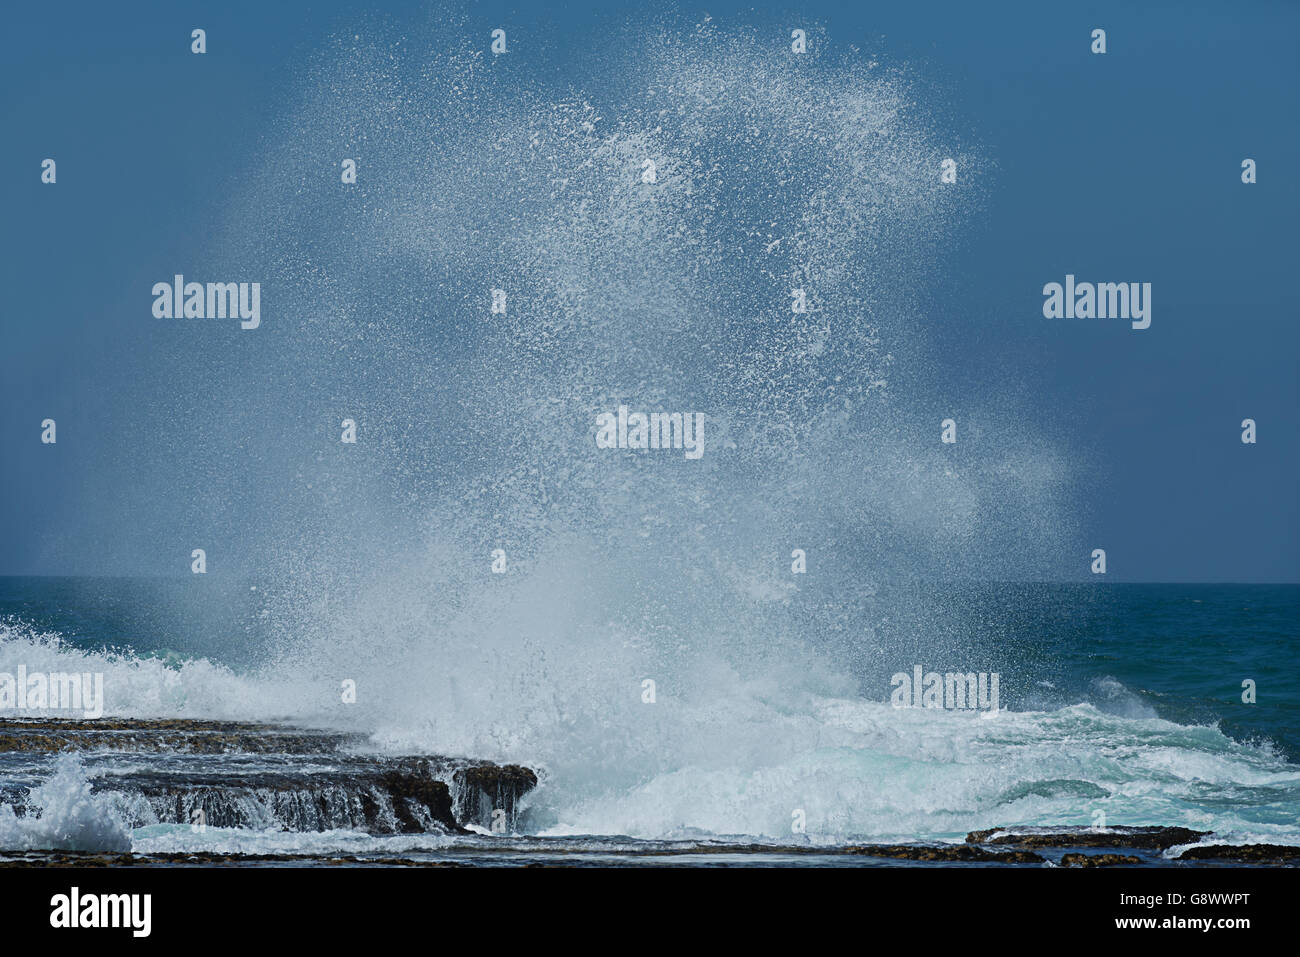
(259, 776)
(1142, 838)
(1157, 838)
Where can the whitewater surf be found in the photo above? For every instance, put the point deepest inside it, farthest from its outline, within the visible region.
(578, 467)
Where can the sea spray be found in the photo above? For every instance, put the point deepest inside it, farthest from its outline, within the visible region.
(63, 814)
(475, 434)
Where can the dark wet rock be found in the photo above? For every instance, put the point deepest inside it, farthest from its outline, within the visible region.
(373, 796)
(480, 790)
(553, 854)
(1255, 853)
(202, 859)
(173, 735)
(417, 802)
(1098, 860)
(1157, 838)
(259, 776)
(945, 852)
(930, 853)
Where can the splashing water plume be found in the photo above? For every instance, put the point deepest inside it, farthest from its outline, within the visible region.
(773, 173)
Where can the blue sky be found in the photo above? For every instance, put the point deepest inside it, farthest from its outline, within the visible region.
(1117, 167)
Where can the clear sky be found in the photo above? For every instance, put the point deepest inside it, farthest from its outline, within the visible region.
(1122, 167)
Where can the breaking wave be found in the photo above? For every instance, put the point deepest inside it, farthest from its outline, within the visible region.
(773, 173)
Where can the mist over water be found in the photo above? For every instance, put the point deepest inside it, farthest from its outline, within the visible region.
(477, 431)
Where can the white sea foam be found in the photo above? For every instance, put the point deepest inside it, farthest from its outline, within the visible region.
(474, 433)
(63, 814)
(730, 757)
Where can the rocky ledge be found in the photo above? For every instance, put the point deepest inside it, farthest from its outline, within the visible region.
(1154, 838)
(171, 735)
(1160, 839)
(231, 774)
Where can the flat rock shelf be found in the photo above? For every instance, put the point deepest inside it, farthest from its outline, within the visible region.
(261, 776)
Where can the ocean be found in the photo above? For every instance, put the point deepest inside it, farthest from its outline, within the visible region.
(623, 442)
(1120, 705)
